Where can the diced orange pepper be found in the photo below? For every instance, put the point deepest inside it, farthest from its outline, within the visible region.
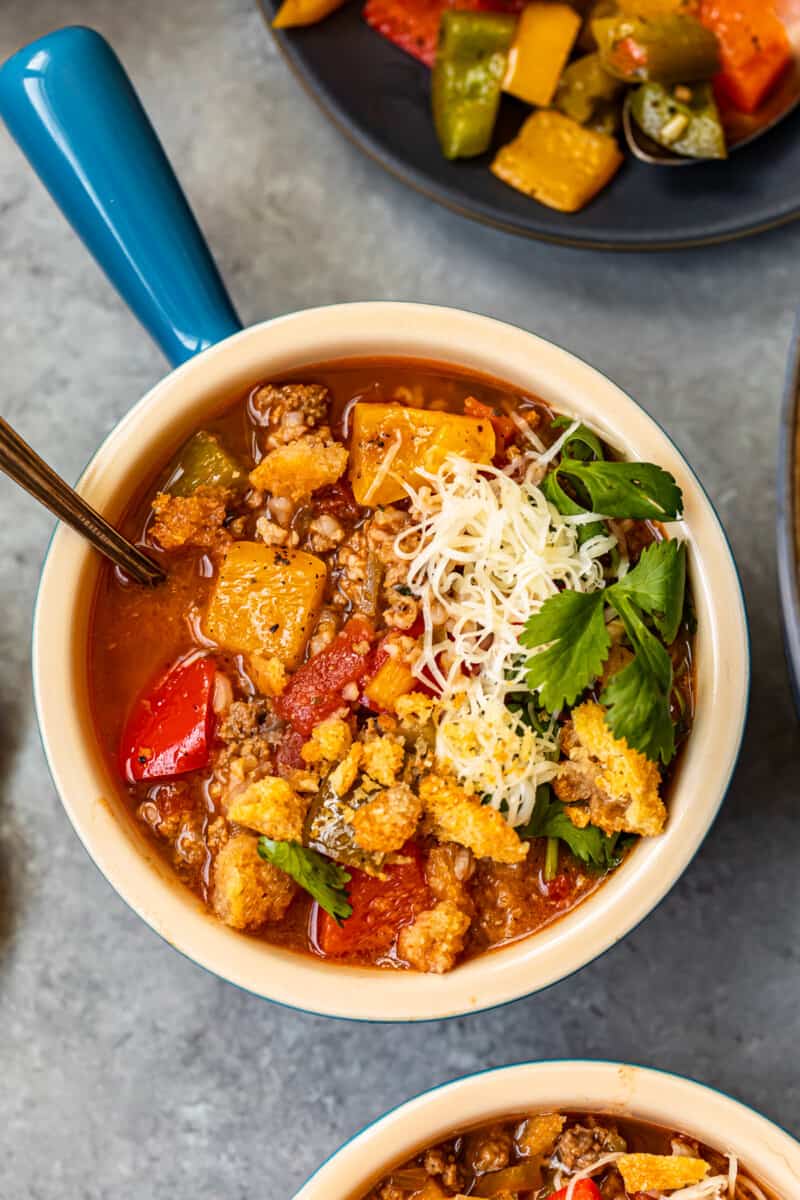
(266, 601)
(754, 49)
(544, 37)
(558, 161)
(393, 678)
(304, 12)
(392, 443)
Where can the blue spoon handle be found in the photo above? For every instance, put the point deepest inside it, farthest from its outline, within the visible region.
(69, 104)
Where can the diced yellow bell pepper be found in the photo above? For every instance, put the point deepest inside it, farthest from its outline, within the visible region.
(544, 37)
(558, 161)
(392, 443)
(266, 601)
(304, 12)
(394, 679)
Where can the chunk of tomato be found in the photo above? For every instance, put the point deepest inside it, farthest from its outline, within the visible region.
(381, 907)
(315, 690)
(505, 431)
(171, 725)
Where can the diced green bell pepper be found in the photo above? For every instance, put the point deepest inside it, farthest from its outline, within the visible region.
(467, 77)
(328, 831)
(204, 461)
(684, 119)
(586, 89)
(671, 49)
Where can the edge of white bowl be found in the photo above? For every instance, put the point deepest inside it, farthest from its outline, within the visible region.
(770, 1153)
(449, 336)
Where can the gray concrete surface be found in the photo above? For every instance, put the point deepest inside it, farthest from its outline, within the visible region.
(126, 1071)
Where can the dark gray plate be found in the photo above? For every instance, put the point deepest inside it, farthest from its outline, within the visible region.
(378, 96)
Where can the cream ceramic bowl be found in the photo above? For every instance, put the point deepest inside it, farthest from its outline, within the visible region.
(769, 1154)
(172, 410)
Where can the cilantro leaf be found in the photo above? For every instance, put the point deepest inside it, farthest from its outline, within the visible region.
(637, 698)
(657, 585)
(571, 626)
(648, 648)
(596, 850)
(321, 877)
(641, 491)
(638, 711)
(582, 443)
(568, 507)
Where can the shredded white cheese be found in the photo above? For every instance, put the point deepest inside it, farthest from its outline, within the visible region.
(746, 1188)
(385, 468)
(713, 1187)
(605, 1160)
(484, 553)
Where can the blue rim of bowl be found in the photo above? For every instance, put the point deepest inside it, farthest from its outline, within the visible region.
(577, 1063)
(450, 198)
(787, 502)
(525, 995)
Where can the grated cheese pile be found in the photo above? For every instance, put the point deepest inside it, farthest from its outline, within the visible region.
(485, 551)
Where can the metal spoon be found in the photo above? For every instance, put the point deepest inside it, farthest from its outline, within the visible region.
(740, 128)
(22, 464)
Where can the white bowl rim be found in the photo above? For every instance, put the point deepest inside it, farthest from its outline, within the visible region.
(676, 1102)
(386, 329)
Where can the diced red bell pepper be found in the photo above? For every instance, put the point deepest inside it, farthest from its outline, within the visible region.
(584, 1189)
(171, 726)
(413, 25)
(754, 49)
(505, 431)
(315, 690)
(381, 907)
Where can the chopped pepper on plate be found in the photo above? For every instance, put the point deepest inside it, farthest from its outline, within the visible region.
(672, 49)
(557, 161)
(587, 93)
(467, 77)
(684, 119)
(544, 37)
(304, 12)
(754, 48)
(413, 25)
(571, 61)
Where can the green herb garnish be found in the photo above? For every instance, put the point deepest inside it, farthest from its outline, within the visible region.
(571, 628)
(321, 877)
(596, 850)
(584, 446)
(657, 585)
(641, 491)
(582, 443)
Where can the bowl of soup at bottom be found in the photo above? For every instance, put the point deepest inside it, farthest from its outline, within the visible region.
(144, 440)
(594, 1129)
